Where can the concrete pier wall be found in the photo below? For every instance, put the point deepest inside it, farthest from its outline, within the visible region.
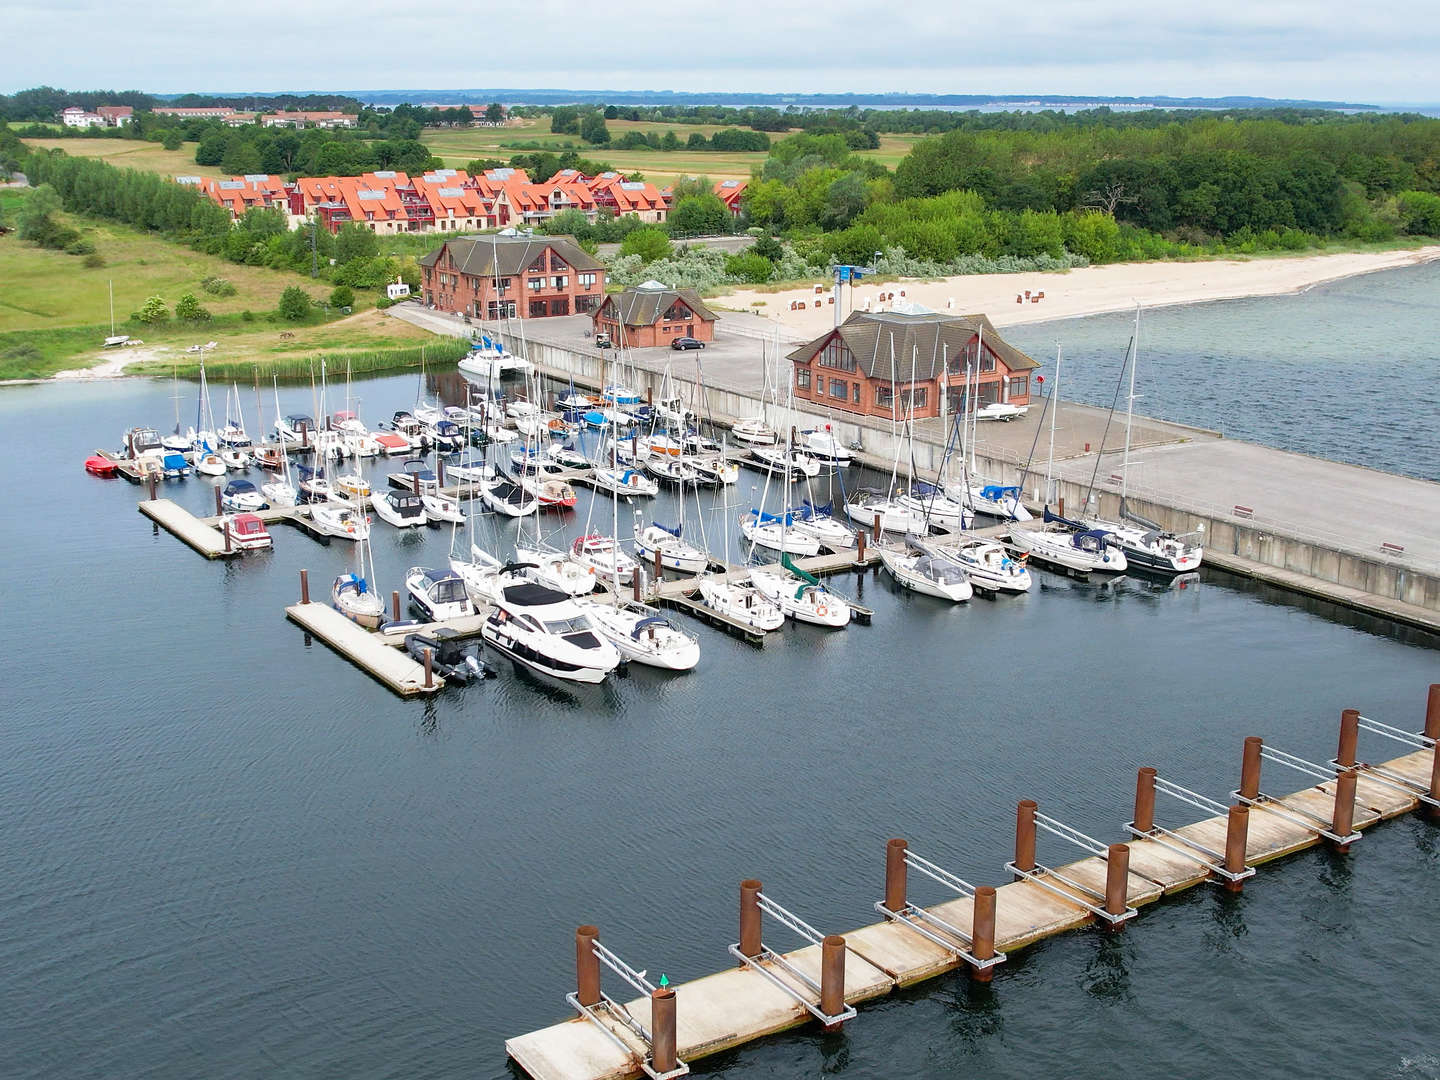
(1247, 542)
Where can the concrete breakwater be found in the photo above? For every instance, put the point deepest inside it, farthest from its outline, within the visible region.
(1352, 536)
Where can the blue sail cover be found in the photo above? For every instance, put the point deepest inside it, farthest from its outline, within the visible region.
(675, 532)
(924, 490)
(813, 510)
(768, 519)
(994, 492)
(645, 624)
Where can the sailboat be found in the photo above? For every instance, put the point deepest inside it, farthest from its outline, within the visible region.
(933, 575)
(353, 594)
(1146, 544)
(978, 493)
(281, 492)
(986, 562)
(800, 595)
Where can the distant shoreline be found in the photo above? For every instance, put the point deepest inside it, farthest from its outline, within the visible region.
(1073, 294)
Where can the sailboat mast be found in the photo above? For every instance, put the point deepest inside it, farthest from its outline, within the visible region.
(1130, 413)
(1054, 408)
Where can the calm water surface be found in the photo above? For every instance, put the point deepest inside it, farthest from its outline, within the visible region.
(1348, 371)
(229, 854)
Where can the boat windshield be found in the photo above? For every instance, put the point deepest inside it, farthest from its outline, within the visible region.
(573, 625)
(448, 591)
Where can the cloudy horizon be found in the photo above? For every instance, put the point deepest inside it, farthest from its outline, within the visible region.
(1287, 49)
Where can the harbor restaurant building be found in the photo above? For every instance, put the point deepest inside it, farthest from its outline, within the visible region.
(653, 314)
(516, 276)
(911, 362)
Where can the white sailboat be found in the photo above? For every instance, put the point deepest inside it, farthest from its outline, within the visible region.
(354, 594)
(929, 574)
(989, 565)
(801, 596)
(282, 491)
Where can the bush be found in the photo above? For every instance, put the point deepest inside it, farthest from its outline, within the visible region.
(383, 302)
(188, 310)
(649, 243)
(80, 247)
(294, 304)
(247, 316)
(94, 262)
(750, 268)
(217, 286)
(342, 296)
(153, 312)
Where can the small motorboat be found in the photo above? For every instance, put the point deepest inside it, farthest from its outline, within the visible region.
(247, 532)
(453, 659)
(415, 476)
(713, 469)
(605, 556)
(675, 553)
(401, 509)
(549, 632)
(235, 459)
(472, 469)
(438, 595)
(741, 601)
(209, 463)
(280, 493)
(314, 485)
(640, 633)
(174, 466)
(568, 457)
(339, 519)
(241, 495)
(753, 431)
(297, 429)
(413, 429)
(270, 457)
(442, 508)
(96, 465)
(1001, 410)
(144, 442)
(505, 496)
(446, 437)
(352, 596)
(392, 443)
(773, 532)
(928, 574)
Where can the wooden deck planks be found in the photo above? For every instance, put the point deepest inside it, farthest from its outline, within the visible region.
(721, 1011)
(179, 522)
(365, 650)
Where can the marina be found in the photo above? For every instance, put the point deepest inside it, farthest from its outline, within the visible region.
(653, 724)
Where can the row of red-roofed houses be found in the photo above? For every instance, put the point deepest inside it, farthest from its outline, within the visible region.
(446, 200)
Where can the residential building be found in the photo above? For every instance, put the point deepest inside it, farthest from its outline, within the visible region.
(730, 192)
(203, 112)
(242, 193)
(104, 116)
(910, 362)
(310, 119)
(653, 314)
(509, 275)
(116, 115)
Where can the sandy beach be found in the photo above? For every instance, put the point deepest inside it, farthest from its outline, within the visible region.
(1088, 291)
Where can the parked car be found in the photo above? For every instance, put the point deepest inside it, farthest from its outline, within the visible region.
(687, 343)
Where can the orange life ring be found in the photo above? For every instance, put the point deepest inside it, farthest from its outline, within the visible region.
(822, 611)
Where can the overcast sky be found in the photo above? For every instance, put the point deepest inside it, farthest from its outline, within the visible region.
(1354, 51)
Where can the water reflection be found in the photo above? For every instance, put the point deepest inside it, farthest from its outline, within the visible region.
(1107, 975)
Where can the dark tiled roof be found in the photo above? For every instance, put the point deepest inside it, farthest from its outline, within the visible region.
(480, 255)
(920, 343)
(642, 307)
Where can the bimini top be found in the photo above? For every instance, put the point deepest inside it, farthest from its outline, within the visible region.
(531, 595)
(646, 624)
(239, 487)
(250, 525)
(432, 575)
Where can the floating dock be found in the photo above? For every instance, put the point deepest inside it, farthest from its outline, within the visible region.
(204, 538)
(660, 1032)
(371, 652)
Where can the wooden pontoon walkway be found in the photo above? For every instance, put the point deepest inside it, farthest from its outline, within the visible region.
(725, 1010)
(204, 538)
(371, 652)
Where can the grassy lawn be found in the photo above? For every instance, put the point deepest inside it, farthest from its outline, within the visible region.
(47, 289)
(128, 154)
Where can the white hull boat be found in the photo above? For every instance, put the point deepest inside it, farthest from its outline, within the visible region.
(822, 444)
(777, 459)
(742, 602)
(626, 482)
(441, 508)
(549, 632)
(505, 496)
(1085, 551)
(675, 553)
(438, 595)
(765, 531)
(642, 635)
(894, 517)
(557, 570)
(928, 574)
(801, 600)
(604, 556)
(404, 511)
(932, 507)
(352, 596)
(339, 519)
(989, 565)
(993, 500)
(755, 432)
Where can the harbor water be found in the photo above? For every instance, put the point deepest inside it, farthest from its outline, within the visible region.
(228, 853)
(1348, 371)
